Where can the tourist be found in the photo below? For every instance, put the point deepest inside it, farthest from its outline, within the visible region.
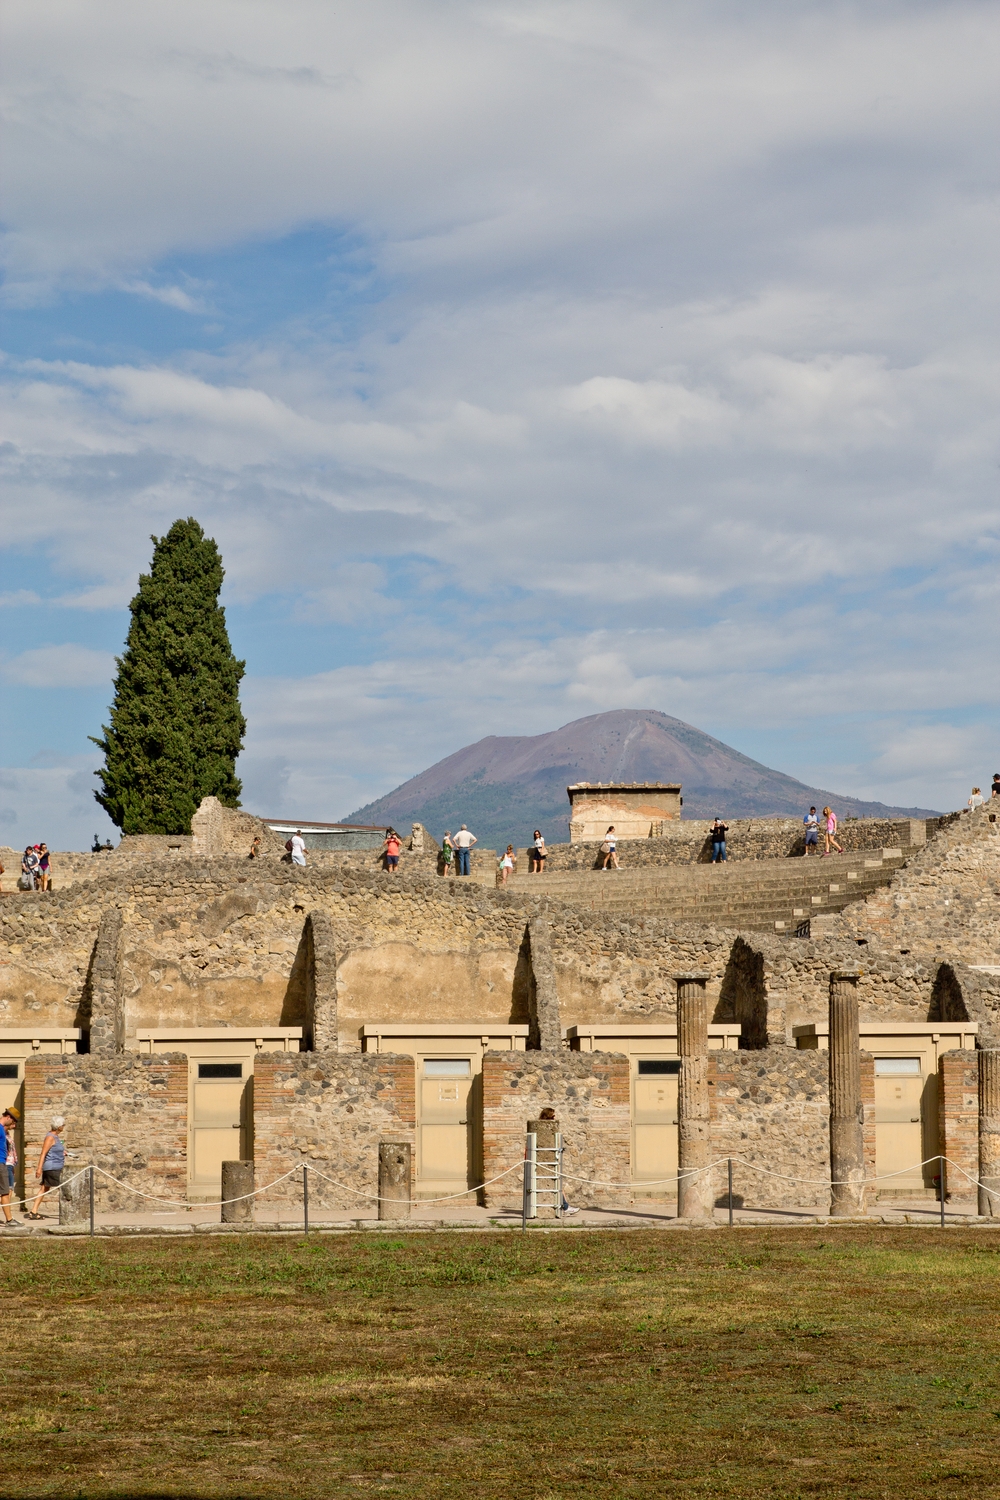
(8, 1168)
(29, 869)
(830, 830)
(392, 846)
(976, 800)
(297, 845)
(996, 784)
(463, 842)
(610, 850)
(255, 847)
(811, 821)
(51, 1161)
(448, 854)
(536, 854)
(719, 831)
(507, 864)
(42, 850)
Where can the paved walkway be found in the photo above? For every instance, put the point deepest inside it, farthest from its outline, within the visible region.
(197, 1219)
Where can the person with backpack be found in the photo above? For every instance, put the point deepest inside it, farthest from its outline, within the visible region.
(296, 847)
(29, 870)
(50, 1164)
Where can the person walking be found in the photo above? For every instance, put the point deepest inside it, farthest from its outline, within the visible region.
(610, 850)
(719, 831)
(811, 821)
(537, 854)
(51, 1161)
(507, 864)
(8, 1168)
(830, 827)
(463, 842)
(298, 848)
(448, 854)
(392, 846)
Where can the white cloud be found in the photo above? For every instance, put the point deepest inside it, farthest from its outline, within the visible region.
(63, 666)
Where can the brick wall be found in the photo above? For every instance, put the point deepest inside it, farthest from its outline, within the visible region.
(590, 1095)
(958, 1121)
(125, 1114)
(329, 1111)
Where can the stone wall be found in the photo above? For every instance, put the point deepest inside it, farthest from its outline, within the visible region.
(127, 1115)
(772, 1109)
(590, 1095)
(329, 1113)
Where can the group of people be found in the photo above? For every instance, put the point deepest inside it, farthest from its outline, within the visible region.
(48, 1173)
(977, 799)
(812, 825)
(35, 872)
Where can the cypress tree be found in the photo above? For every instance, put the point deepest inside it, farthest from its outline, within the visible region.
(176, 725)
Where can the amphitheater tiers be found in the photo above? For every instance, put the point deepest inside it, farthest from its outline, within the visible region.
(183, 1005)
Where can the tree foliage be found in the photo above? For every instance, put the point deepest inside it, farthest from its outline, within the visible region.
(176, 726)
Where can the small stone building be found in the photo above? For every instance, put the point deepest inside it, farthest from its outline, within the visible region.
(637, 810)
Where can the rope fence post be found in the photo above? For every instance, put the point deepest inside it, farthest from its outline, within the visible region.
(730, 1166)
(941, 1191)
(91, 1200)
(305, 1198)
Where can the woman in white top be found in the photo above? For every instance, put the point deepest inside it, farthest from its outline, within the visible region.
(507, 864)
(610, 849)
(977, 799)
(536, 854)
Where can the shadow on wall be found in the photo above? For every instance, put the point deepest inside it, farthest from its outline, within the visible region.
(294, 1007)
(522, 990)
(743, 995)
(947, 1000)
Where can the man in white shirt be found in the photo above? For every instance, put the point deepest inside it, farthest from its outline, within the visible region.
(811, 822)
(298, 848)
(463, 842)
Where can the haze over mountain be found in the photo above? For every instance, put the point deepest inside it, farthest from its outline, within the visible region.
(506, 785)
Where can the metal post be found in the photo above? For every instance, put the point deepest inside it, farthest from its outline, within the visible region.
(305, 1199)
(941, 1192)
(730, 1164)
(528, 1197)
(92, 1200)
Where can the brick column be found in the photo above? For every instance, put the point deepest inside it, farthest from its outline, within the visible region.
(847, 1154)
(989, 1134)
(958, 1105)
(694, 1194)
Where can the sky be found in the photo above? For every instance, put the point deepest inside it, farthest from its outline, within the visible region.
(526, 361)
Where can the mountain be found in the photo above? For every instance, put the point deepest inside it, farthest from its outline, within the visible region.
(506, 785)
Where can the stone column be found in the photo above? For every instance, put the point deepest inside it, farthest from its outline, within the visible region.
(847, 1159)
(237, 1182)
(74, 1199)
(394, 1179)
(107, 1018)
(694, 1194)
(321, 985)
(989, 1134)
(545, 1029)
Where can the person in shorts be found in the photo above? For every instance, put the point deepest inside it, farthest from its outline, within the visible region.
(536, 854)
(830, 827)
(811, 821)
(8, 1167)
(51, 1161)
(392, 846)
(609, 849)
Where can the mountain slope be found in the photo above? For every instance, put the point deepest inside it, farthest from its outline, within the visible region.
(506, 785)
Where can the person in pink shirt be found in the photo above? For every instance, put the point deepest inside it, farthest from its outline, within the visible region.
(830, 830)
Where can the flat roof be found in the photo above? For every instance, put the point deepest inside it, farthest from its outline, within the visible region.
(281, 824)
(624, 786)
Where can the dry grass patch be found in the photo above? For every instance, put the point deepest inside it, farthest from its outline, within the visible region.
(851, 1362)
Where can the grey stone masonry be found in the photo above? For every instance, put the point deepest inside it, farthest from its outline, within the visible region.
(694, 1198)
(395, 1178)
(107, 1016)
(545, 1032)
(847, 1163)
(237, 1190)
(321, 987)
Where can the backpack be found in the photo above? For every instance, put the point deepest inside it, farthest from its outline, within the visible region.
(288, 845)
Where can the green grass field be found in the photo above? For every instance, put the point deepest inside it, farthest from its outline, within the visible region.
(817, 1362)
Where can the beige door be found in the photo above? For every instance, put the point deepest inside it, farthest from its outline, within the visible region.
(216, 1095)
(654, 1122)
(443, 1165)
(898, 1132)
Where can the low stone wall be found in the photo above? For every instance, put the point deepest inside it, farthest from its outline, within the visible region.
(590, 1095)
(126, 1114)
(329, 1112)
(772, 1109)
